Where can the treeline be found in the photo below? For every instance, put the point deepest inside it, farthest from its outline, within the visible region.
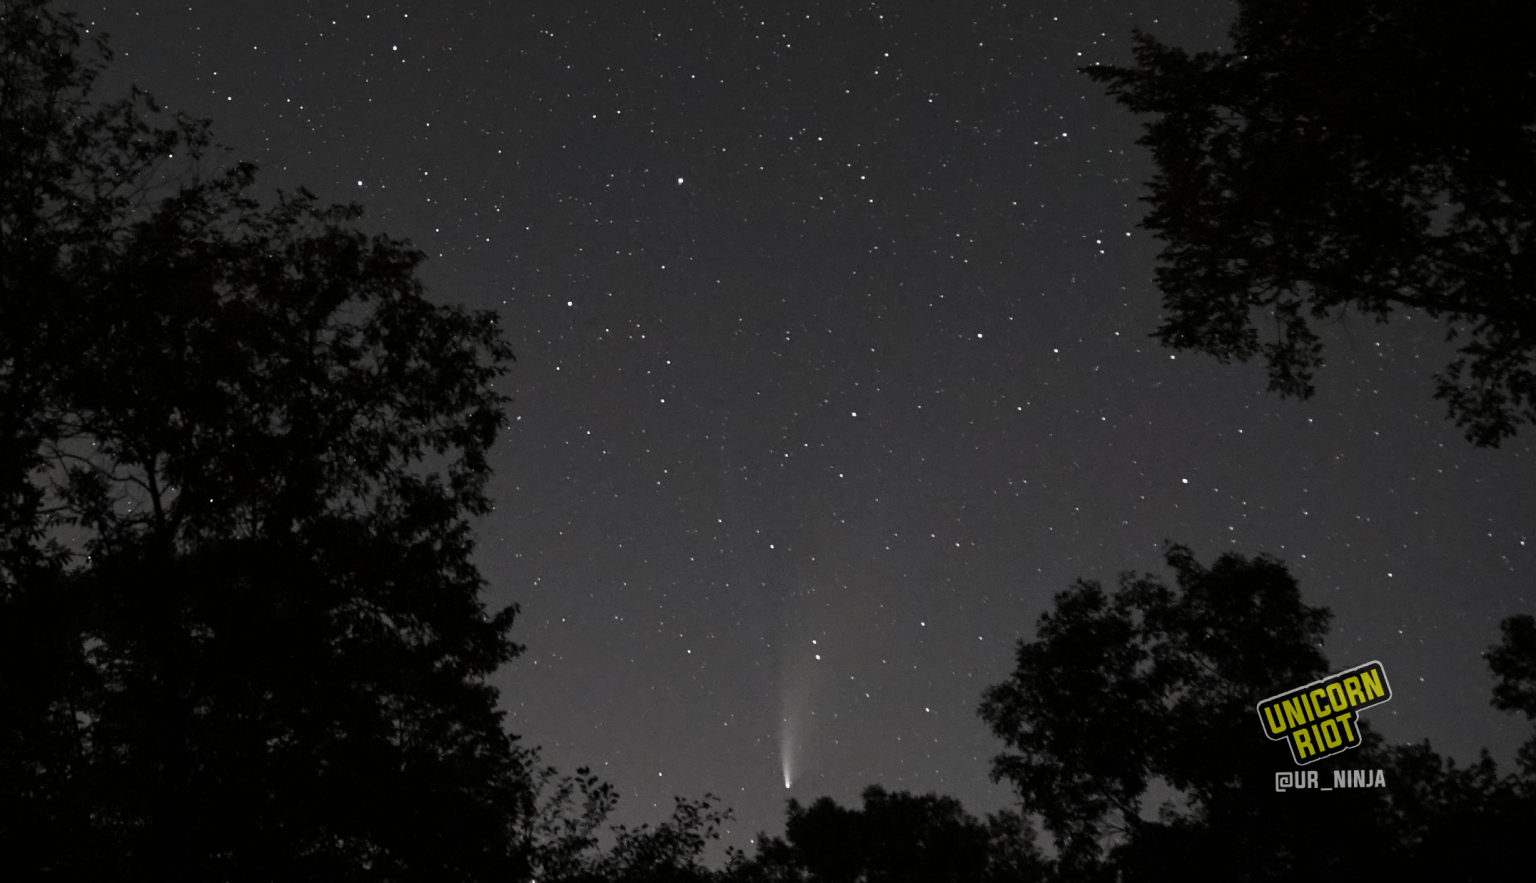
(1156, 684)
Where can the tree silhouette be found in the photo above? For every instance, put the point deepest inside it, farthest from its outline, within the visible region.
(896, 837)
(1363, 155)
(1152, 684)
(1448, 822)
(1145, 683)
(560, 826)
(239, 451)
(1513, 661)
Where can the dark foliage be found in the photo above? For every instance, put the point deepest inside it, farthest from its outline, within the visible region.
(239, 449)
(1366, 156)
(1513, 661)
(896, 837)
(561, 830)
(1156, 687)
(1453, 823)
(1150, 683)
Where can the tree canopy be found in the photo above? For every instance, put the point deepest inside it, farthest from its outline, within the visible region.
(1146, 683)
(895, 837)
(239, 454)
(1150, 690)
(1513, 662)
(1366, 156)
(559, 831)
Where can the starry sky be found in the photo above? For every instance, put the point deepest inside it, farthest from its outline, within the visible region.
(833, 367)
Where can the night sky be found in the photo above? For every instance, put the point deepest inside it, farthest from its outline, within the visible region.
(833, 367)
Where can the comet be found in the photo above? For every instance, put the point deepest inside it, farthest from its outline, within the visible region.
(787, 752)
